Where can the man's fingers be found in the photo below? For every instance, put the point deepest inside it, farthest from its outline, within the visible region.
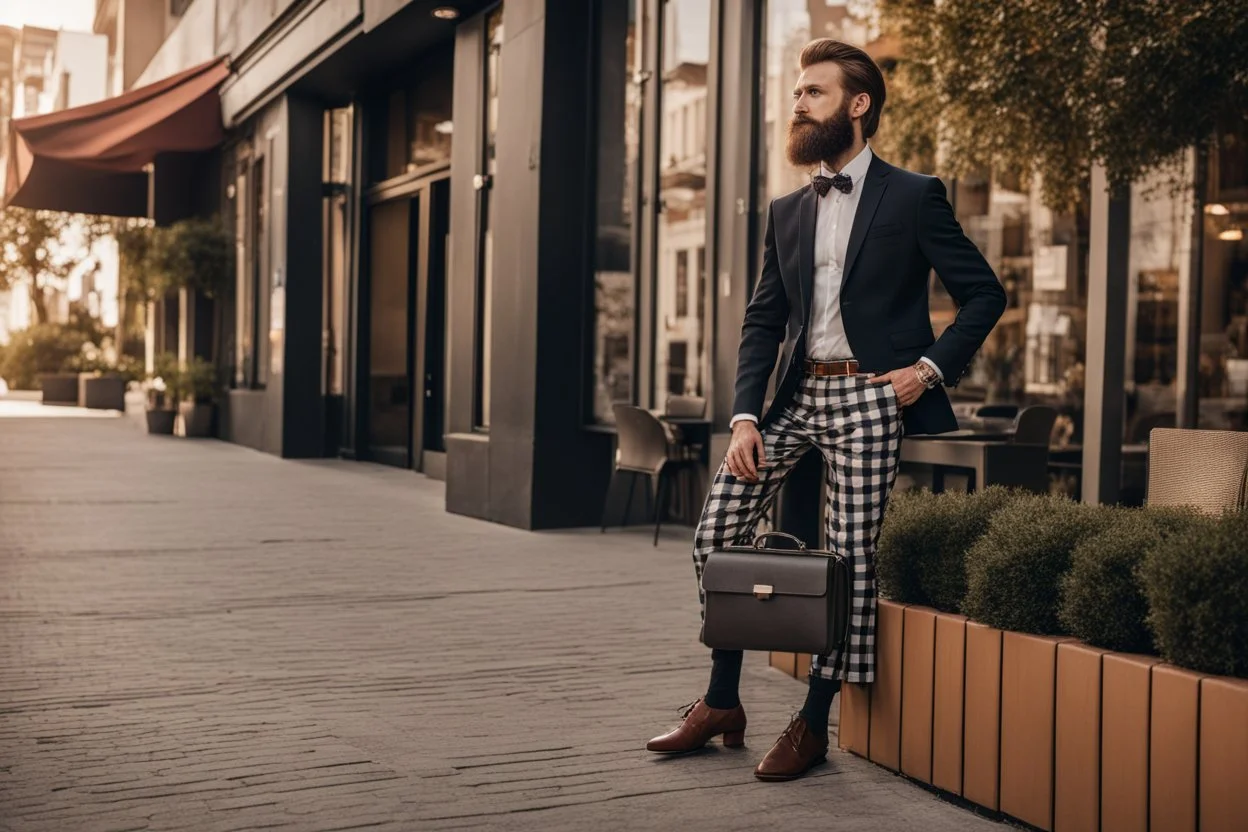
(881, 379)
(762, 452)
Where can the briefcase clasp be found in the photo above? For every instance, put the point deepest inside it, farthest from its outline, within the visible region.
(763, 591)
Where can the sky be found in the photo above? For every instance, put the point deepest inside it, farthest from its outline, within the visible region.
(76, 15)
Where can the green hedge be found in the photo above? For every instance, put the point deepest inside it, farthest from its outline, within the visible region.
(1014, 572)
(1196, 581)
(1103, 601)
(921, 557)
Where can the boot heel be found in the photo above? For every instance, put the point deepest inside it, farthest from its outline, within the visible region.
(734, 739)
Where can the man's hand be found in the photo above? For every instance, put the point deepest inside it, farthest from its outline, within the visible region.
(746, 440)
(906, 385)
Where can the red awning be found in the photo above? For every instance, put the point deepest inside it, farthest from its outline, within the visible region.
(92, 159)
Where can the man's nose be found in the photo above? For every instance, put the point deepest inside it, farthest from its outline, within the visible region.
(799, 107)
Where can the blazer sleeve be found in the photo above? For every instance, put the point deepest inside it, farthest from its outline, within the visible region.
(967, 277)
(766, 317)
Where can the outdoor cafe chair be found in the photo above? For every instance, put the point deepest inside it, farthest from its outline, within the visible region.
(644, 451)
(1206, 469)
(1034, 426)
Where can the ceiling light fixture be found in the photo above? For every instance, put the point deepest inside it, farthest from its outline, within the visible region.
(445, 13)
(1232, 235)
(1217, 209)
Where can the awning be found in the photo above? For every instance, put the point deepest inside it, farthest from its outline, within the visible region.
(93, 159)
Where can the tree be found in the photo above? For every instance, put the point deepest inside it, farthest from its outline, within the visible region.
(1036, 86)
(38, 250)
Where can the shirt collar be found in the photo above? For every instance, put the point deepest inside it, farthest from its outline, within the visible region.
(857, 167)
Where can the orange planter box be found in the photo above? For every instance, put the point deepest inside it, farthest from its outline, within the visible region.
(1173, 736)
(1028, 706)
(948, 690)
(981, 736)
(1077, 739)
(783, 661)
(885, 733)
(854, 731)
(1124, 741)
(1223, 754)
(918, 672)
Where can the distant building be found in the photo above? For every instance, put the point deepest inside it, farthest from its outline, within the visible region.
(42, 71)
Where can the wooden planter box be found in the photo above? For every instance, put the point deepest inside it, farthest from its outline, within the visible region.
(1050, 731)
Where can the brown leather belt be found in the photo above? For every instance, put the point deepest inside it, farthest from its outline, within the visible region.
(844, 367)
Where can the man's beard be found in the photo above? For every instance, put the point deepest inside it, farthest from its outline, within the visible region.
(811, 142)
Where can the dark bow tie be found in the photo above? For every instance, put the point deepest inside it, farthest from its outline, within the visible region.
(841, 182)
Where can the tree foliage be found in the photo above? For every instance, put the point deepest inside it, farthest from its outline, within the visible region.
(1036, 86)
(38, 250)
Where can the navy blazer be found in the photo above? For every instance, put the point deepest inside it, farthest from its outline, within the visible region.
(904, 228)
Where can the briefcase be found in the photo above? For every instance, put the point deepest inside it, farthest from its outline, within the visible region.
(789, 598)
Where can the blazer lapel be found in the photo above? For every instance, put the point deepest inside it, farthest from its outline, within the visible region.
(806, 248)
(873, 185)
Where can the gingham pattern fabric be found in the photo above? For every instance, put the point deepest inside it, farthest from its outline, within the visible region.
(857, 426)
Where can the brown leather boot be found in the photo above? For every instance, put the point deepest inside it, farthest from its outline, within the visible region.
(700, 723)
(797, 751)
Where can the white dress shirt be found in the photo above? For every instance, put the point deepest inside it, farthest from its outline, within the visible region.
(834, 219)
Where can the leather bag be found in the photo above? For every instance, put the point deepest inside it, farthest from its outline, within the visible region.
(785, 598)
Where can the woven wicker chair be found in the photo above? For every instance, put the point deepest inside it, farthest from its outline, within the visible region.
(1202, 468)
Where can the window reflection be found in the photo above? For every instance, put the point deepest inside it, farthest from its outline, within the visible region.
(1222, 381)
(680, 354)
(619, 123)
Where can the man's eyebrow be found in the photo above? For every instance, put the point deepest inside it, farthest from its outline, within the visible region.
(808, 88)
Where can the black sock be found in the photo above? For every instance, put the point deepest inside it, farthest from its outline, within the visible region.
(819, 702)
(725, 676)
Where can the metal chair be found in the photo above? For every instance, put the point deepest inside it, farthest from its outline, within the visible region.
(644, 450)
(685, 407)
(1202, 468)
(1142, 426)
(1000, 411)
(1034, 426)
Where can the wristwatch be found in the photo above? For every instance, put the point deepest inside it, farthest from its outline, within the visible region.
(927, 375)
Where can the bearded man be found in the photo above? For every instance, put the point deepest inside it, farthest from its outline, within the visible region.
(843, 301)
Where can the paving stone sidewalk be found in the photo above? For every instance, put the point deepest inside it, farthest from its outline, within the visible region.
(198, 636)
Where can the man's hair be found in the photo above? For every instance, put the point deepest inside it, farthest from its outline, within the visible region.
(859, 74)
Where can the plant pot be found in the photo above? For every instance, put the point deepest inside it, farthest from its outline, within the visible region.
(196, 419)
(59, 388)
(161, 421)
(104, 393)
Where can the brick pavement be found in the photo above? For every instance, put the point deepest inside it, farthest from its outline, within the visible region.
(197, 636)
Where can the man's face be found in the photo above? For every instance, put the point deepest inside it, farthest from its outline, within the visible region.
(823, 124)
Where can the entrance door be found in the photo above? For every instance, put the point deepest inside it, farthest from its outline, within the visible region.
(406, 401)
(391, 279)
(429, 422)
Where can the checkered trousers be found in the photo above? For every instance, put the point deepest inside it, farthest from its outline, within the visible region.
(857, 426)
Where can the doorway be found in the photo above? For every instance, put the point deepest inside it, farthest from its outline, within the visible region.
(404, 404)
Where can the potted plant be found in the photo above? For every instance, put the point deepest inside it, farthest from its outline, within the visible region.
(198, 397)
(163, 393)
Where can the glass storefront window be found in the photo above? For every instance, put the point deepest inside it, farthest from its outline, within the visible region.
(493, 77)
(418, 119)
(680, 370)
(1223, 375)
(619, 124)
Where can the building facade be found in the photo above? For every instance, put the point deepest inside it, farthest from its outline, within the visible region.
(43, 71)
(464, 230)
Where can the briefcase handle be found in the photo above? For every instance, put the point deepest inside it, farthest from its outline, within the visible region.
(762, 538)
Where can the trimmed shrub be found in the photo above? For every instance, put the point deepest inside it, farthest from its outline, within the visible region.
(1103, 599)
(1196, 581)
(1014, 572)
(42, 348)
(921, 558)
